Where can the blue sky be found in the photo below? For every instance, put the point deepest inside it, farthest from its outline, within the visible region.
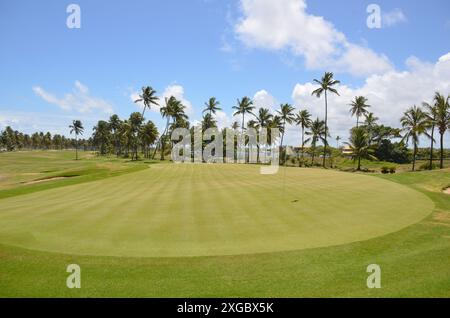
(202, 48)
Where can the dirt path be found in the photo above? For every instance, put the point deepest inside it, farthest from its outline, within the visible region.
(45, 180)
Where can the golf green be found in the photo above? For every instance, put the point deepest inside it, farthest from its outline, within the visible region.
(171, 210)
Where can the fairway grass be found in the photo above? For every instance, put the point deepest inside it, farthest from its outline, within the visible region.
(414, 260)
(181, 210)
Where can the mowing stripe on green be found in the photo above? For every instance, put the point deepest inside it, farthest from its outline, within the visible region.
(199, 210)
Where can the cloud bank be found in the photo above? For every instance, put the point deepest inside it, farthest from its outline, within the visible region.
(79, 100)
(286, 25)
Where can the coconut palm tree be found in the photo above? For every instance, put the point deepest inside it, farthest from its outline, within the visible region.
(148, 136)
(360, 146)
(286, 114)
(442, 120)
(431, 113)
(212, 106)
(275, 123)
(326, 84)
(303, 119)
(338, 138)
(414, 123)
(358, 108)
(173, 109)
(101, 136)
(208, 121)
(135, 122)
(77, 128)
(235, 126)
(244, 106)
(114, 125)
(148, 97)
(370, 119)
(318, 132)
(263, 118)
(262, 121)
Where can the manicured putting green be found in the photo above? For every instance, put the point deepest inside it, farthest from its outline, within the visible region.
(198, 210)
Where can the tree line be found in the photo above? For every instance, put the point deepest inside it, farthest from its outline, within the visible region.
(368, 139)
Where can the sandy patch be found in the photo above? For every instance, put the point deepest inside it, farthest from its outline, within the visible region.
(446, 191)
(442, 216)
(45, 180)
(2, 177)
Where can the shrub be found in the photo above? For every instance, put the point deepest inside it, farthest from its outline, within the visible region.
(392, 170)
(384, 170)
(426, 166)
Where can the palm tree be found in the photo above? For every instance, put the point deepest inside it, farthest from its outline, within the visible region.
(125, 133)
(338, 138)
(212, 106)
(208, 121)
(275, 123)
(235, 126)
(101, 136)
(358, 108)
(77, 128)
(173, 109)
(442, 120)
(148, 136)
(360, 146)
(244, 106)
(148, 98)
(135, 122)
(286, 114)
(114, 125)
(414, 123)
(262, 121)
(326, 84)
(303, 119)
(431, 113)
(317, 131)
(371, 120)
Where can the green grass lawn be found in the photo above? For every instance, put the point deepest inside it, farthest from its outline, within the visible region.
(224, 231)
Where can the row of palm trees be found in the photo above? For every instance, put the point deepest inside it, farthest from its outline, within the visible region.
(418, 121)
(415, 122)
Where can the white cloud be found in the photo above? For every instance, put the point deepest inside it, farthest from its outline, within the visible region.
(285, 25)
(31, 122)
(389, 94)
(223, 121)
(262, 99)
(445, 58)
(174, 90)
(392, 18)
(79, 100)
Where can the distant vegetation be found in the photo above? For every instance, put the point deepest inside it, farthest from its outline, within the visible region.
(369, 139)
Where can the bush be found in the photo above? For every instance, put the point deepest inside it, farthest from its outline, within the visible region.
(426, 166)
(388, 169)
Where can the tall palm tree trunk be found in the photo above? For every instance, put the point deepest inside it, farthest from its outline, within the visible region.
(76, 147)
(431, 147)
(160, 139)
(414, 157)
(257, 147)
(326, 129)
(441, 165)
(359, 163)
(303, 145)
(242, 132)
(283, 155)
